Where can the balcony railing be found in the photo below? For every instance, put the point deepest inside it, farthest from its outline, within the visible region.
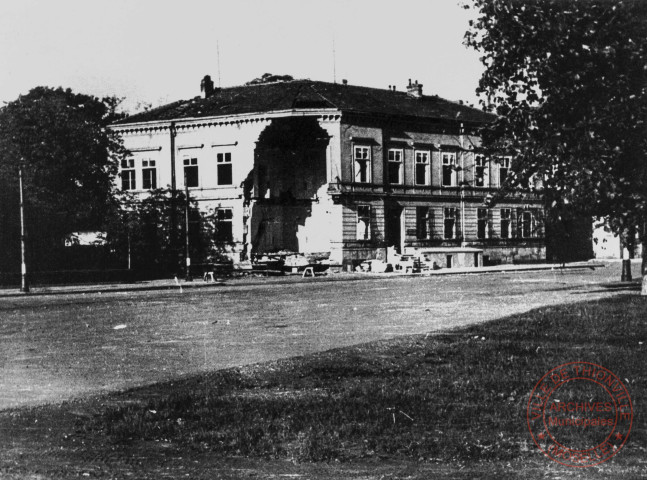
(467, 191)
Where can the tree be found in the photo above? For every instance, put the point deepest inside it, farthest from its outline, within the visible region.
(568, 81)
(141, 234)
(69, 159)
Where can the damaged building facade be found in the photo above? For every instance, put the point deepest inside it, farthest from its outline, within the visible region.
(335, 169)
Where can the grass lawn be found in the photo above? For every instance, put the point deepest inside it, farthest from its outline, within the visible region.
(451, 404)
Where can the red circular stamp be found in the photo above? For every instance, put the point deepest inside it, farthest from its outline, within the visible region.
(579, 414)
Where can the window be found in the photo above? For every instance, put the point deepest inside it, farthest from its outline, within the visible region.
(190, 172)
(480, 171)
(451, 221)
(527, 227)
(224, 225)
(224, 171)
(149, 175)
(362, 156)
(449, 169)
(128, 174)
(363, 222)
(506, 219)
(423, 223)
(395, 166)
(482, 223)
(422, 168)
(504, 167)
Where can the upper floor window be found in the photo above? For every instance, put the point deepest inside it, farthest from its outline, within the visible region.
(191, 172)
(395, 166)
(504, 168)
(422, 167)
(449, 169)
(149, 175)
(224, 173)
(128, 174)
(362, 161)
(480, 171)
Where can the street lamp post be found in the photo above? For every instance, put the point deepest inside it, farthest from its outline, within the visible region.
(24, 284)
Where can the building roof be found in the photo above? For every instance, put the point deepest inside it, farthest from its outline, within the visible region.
(308, 94)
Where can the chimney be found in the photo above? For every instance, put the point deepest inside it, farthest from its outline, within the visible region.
(206, 86)
(414, 89)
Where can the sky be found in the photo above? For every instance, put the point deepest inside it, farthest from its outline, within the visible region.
(157, 51)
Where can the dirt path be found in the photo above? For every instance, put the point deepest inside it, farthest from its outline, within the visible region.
(54, 348)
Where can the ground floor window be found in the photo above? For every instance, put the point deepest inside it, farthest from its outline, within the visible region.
(451, 223)
(506, 222)
(527, 224)
(363, 222)
(423, 223)
(224, 225)
(482, 223)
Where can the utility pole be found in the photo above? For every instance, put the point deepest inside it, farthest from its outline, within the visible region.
(462, 183)
(186, 231)
(24, 284)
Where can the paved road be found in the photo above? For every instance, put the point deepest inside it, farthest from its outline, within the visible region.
(54, 348)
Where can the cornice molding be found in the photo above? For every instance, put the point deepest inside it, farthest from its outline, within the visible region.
(189, 124)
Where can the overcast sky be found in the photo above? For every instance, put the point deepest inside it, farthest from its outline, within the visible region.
(157, 51)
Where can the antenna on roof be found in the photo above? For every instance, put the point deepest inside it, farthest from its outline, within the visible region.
(218, 59)
(334, 61)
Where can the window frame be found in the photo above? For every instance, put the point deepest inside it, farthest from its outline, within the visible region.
(527, 224)
(504, 165)
(481, 163)
(149, 173)
(423, 223)
(426, 164)
(127, 167)
(224, 159)
(505, 218)
(193, 165)
(399, 162)
(451, 164)
(357, 160)
(482, 215)
(366, 236)
(218, 221)
(454, 217)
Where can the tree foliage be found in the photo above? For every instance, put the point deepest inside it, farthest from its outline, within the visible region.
(69, 159)
(148, 234)
(568, 79)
